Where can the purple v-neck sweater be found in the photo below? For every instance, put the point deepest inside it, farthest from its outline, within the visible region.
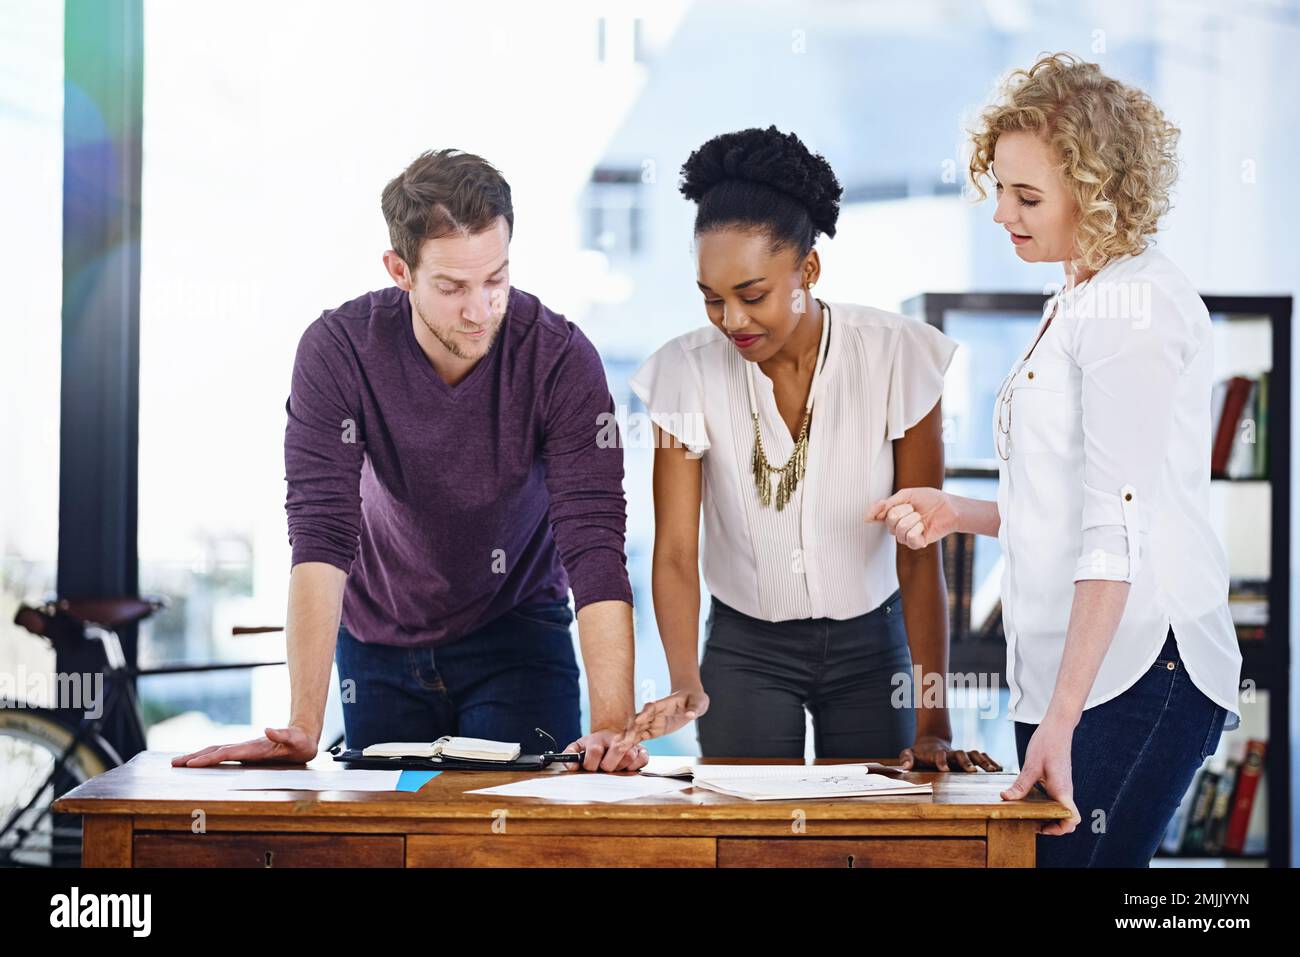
(451, 505)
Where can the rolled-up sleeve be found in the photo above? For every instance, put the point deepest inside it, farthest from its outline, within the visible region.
(324, 446)
(1130, 369)
(584, 477)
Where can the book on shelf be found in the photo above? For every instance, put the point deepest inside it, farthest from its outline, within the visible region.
(1198, 816)
(959, 576)
(1220, 815)
(1239, 423)
(1243, 798)
(1220, 805)
(1248, 605)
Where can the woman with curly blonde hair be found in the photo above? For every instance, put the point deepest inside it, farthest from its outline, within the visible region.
(1122, 659)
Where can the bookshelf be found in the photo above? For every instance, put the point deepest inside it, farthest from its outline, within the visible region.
(1000, 326)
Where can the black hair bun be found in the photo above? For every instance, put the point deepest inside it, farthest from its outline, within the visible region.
(770, 158)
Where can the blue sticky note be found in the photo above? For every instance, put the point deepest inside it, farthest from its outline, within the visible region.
(414, 780)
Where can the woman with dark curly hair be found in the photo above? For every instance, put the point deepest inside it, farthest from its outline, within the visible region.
(784, 418)
(1122, 659)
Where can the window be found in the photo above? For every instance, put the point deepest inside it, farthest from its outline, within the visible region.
(31, 202)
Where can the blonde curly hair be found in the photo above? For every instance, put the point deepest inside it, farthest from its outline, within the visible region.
(1117, 150)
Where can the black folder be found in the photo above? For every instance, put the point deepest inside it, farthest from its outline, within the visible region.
(353, 758)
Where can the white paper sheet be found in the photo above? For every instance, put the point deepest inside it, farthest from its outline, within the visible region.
(786, 783)
(586, 786)
(298, 779)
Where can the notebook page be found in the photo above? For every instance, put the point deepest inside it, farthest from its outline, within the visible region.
(725, 772)
(792, 789)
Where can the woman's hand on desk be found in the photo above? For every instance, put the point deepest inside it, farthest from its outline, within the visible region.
(931, 752)
(668, 714)
(917, 517)
(291, 744)
(1047, 759)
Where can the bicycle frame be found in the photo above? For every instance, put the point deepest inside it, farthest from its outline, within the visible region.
(121, 684)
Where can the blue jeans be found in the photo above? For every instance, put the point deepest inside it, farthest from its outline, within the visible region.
(1133, 759)
(761, 675)
(513, 675)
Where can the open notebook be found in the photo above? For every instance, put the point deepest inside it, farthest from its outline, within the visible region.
(479, 749)
(789, 782)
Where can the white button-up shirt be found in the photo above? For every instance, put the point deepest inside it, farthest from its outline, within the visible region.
(1105, 429)
(818, 557)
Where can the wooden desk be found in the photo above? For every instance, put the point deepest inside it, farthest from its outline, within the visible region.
(142, 814)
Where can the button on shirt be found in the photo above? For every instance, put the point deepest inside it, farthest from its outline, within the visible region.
(818, 557)
(1105, 429)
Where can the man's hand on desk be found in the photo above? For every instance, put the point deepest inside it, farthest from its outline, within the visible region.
(613, 750)
(610, 750)
(291, 744)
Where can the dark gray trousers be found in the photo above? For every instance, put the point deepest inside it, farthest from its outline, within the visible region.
(761, 675)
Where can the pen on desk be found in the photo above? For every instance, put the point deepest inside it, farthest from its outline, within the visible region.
(568, 757)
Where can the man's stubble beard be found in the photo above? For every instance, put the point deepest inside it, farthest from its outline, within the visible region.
(450, 344)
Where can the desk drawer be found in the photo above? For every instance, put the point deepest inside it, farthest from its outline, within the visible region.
(851, 852)
(167, 849)
(507, 850)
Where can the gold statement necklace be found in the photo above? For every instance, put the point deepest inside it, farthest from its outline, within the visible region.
(792, 472)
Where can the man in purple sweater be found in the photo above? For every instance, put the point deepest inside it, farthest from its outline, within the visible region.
(445, 489)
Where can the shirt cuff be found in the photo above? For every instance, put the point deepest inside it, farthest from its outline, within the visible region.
(1111, 551)
(600, 577)
(317, 553)
(623, 594)
(1102, 566)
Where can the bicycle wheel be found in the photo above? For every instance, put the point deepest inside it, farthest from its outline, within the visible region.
(31, 741)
